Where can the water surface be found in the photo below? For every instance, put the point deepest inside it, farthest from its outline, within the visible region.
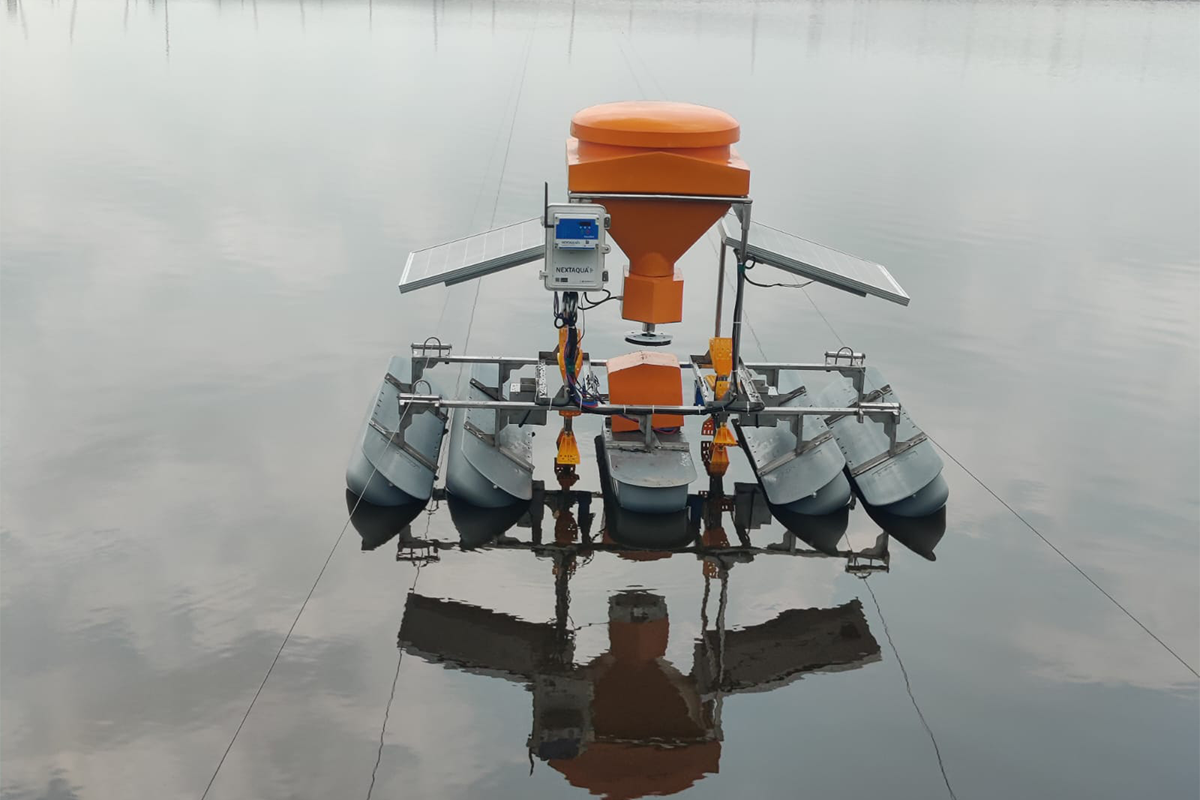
(204, 207)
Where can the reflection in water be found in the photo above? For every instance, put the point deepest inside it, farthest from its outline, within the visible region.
(629, 722)
(377, 525)
(477, 526)
(919, 535)
(244, 203)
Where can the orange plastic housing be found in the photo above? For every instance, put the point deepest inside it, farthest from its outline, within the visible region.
(645, 378)
(656, 147)
(651, 298)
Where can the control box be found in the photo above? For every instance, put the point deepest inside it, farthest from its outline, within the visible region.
(576, 244)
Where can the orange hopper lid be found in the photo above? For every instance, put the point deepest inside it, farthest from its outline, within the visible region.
(656, 124)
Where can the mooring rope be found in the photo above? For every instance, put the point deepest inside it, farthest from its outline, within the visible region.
(282, 645)
(500, 183)
(387, 712)
(303, 605)
(1032, 527)
(1065, 557)
(503, 169)
(937, 751)
(375, 469)
(520, 87)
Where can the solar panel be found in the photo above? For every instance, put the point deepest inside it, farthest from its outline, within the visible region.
(822, 264)
(475, 256)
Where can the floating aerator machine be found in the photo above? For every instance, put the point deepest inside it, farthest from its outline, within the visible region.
(655, 177)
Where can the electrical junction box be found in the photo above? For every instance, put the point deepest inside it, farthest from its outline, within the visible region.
(576, 244)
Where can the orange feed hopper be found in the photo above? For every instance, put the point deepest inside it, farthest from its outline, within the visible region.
(645, 378)
(656, 147)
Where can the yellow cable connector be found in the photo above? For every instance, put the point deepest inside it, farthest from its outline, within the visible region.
(718, 384)
(720, 351)
(568, 450)
(724, 436)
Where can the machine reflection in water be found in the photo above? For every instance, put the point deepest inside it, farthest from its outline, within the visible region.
(630, 723)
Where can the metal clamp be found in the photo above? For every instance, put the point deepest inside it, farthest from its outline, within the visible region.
(396, 439)
(845, 356)
(894, 449)
(800, 449)
(491, 441)
(406, 413)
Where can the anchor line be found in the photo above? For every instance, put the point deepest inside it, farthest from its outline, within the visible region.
(621, 32)
(504, 164)
(937, 751)
(503, 169)
(1067, 558)
(470, 325)
(824, 318)
(745, 316)
(387, 712)
(1033, 528)
(908, 688)
(296, 620)
(629, 64)
(282, 645)
(514, 88)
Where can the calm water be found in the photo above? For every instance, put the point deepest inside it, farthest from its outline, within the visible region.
(205, 207)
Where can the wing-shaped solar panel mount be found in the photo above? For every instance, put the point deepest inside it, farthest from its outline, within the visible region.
(475, 256)
(816, 262)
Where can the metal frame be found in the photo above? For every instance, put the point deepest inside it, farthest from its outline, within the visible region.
(895, 447)
(751, 401)
(543, 401)
(584, 548)
(872, 410)
(742, 206)
(865, 560)
(848, 363)
(852, 365)
(396, 438)
(743, 398)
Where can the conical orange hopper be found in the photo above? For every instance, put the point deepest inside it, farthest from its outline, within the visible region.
(656, 148)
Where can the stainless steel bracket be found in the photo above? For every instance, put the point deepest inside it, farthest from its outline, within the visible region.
(894, 449)
(490, 440)
(801, 448)
(396, 439)
(406, 414)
